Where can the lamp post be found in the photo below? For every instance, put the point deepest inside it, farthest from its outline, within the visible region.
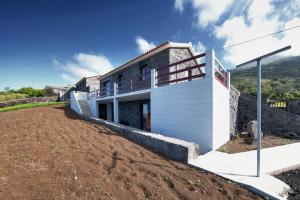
(258, 111)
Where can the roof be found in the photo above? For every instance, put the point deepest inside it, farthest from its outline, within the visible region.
(56, 87)
(149, 53)
(98, 76)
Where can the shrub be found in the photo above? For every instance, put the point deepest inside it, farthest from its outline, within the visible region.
(32, 92)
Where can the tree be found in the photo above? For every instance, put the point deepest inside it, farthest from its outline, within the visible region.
(6, 89)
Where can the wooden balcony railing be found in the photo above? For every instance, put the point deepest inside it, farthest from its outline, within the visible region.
(220, 74)
(184, 70)
(134, 84)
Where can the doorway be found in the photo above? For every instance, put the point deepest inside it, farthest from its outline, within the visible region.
(103, 111)
(145, 116)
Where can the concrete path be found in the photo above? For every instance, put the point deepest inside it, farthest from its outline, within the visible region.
(241, 168)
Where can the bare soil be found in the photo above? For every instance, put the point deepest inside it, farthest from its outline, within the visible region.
(292, 178)
(48, 153)
(238, 145)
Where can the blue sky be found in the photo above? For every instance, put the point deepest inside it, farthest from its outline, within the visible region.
(54, 42)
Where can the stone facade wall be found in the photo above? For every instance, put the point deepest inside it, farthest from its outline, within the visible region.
(133, 72)
(294, 106)
(234, 101)
(93, 83)
(28, 100)
(129, 113)
(273, 120)
(88, 84)
(161, 59)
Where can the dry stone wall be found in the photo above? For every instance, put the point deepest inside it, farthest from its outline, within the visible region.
(234, 101)
(294, 106)
(273, 120)
(28, 100)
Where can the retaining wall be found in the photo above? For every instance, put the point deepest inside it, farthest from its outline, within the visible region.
(294, 106)
(273, 120)
(234, 101)
(175, 149)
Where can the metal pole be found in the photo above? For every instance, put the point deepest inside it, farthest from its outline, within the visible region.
(258, 128)
(258, 116)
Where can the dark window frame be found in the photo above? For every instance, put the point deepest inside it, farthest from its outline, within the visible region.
(143, 72)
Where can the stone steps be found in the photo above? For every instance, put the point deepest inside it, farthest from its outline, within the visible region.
(85, 108)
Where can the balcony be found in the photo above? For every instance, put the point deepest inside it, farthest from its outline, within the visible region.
(221, 74)
(105, 91)
(184, 70)
(135, 84)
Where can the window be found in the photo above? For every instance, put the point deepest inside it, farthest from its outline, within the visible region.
(120, 78)
(143, 72)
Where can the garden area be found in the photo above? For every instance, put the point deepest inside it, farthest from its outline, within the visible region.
(53, 154)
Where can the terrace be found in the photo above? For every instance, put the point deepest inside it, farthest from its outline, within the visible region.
(189, 69)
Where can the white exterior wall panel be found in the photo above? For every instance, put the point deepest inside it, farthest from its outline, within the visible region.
(221, 115)
(74, 102)
(184, 111)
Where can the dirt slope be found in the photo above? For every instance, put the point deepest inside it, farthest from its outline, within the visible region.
(47, 153)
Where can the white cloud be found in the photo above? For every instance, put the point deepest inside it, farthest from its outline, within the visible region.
(199, 47)
(179, 5)
(83, 65)
(143, 45)
(67, 78)
(246, 20)
(261, 18)
(207, 11)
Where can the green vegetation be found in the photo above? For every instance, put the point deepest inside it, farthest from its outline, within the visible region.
(280, 79)
(32, 92)
(11, 96)
(29, 105)
(24, 92)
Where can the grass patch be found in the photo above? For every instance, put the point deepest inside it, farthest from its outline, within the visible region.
(29, 105)
(223, 149)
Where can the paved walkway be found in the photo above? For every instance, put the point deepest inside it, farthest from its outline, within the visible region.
(241, 168)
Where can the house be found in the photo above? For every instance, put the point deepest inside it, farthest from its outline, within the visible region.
(87, 84)
(62, 92)
(54, 90)
(168, 90)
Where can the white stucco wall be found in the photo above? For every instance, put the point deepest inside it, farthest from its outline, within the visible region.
(74, 102)
(221, 114)
(184, 111)
(195, 111)
(81, 95)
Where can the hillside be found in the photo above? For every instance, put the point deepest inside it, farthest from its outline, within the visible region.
(280, 79)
